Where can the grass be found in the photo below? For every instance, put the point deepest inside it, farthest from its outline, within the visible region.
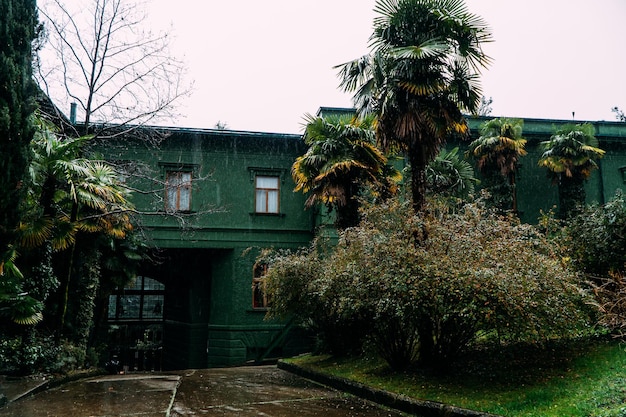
(586, 379)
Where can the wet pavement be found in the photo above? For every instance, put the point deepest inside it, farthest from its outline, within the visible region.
(245, 391)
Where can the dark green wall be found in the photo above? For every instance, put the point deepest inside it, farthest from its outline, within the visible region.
(535, 192)
(207, 255)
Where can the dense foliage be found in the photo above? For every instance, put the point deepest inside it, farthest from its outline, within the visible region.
(426, 287)
(598, 237)
(449, 175)
(597, 246)
(18, 21)
(75, 211)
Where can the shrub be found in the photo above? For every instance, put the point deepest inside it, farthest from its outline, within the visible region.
(596, 240)
(9, 352)
(38, 353)
(449, 277)
(430, 285)
(598, 237)
(299, 285)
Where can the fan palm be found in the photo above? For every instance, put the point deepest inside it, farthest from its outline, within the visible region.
(15, 303)
(69, 196)
(70, 193)
(342, 158)
(497, 152)
(570, 156)
(450, 175)
(421, 73)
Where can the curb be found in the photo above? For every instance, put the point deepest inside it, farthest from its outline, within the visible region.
(386, 398)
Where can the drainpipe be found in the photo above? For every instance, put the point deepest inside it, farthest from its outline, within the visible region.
(73, 113)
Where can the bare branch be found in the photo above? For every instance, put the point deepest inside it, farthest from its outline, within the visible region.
(102, 56)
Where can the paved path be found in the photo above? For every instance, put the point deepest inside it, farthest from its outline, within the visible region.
(245, 391)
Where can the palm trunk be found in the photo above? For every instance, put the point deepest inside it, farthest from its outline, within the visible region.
(513, 192)
(66, 283)
(348, 213)
(66, 291)
(86, 289)
(571, 196)
(417, 158)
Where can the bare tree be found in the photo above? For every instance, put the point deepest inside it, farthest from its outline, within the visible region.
(101, 56)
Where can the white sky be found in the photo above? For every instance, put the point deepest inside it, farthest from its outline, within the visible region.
(260, 65)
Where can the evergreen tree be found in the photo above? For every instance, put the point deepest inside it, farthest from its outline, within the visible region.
(497, 152)
(18, 21)
(421, 73)
(570, 156)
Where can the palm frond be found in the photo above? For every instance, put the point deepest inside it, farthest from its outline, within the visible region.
(36, 232)
(430, 48)
(572, 151)
(25, 310)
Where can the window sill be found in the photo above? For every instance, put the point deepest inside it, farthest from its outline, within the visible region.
(177, 212)
(267, 214)
(258, 310)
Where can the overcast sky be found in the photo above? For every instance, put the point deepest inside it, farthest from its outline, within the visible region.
(260, 65)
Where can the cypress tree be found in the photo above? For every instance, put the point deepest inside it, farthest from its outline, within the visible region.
(18, 22)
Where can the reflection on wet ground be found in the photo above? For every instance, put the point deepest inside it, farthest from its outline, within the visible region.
(145, 395)
(246, 391)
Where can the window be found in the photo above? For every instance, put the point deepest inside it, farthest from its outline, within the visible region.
(259, 297)
(267, 194)
(141, 300)
(178, 191)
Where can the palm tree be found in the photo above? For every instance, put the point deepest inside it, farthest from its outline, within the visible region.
(421, 73)
(342, 158)
(69, 193)
(570, 157)
(497, 152)
(72, 199)
(450, 176)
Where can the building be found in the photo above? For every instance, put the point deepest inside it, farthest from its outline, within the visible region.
(213, 199)
(536, 194)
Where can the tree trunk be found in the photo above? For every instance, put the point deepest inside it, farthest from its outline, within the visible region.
(348, 213)
(571, 196)
(85, 290)
(417, 158)
(513, 192)
(427, 356)
(66, 282)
